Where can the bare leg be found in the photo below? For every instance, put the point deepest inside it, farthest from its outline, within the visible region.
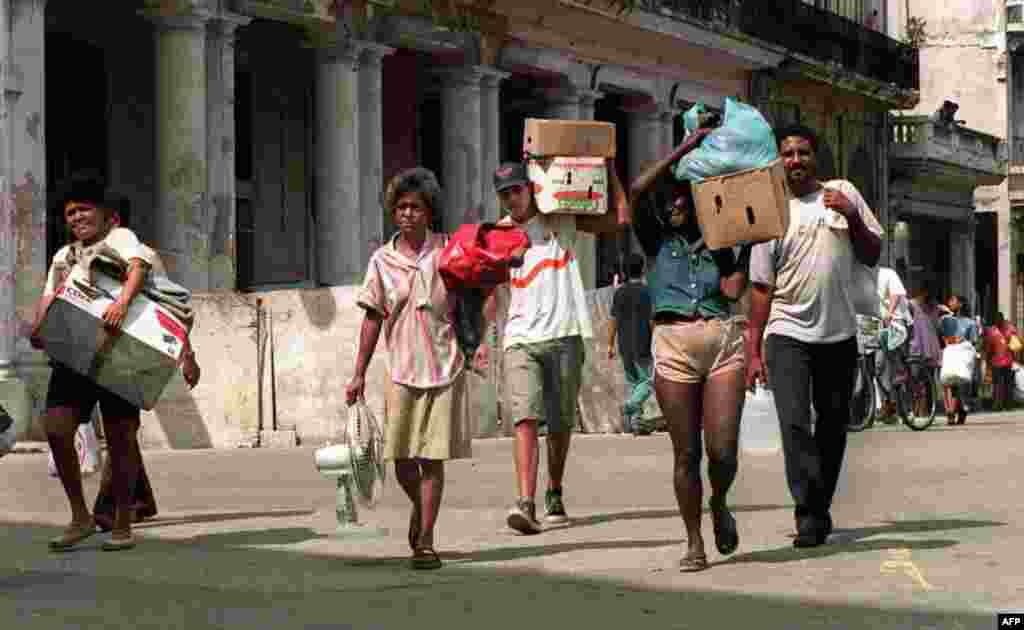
(407, 471)
(681, 403)
(61, 425)
(558, 452)
(124, 467)
(526, 455)
(723, 406)
(431, 491)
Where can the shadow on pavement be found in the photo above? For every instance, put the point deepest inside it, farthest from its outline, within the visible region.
(193, 519)
(258, 537)
(844, 541)
(597, 519)
(182, 584)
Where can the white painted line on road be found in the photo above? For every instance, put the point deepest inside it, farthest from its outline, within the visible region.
(901, 562)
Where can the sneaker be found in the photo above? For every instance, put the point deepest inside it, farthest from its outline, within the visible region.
(555, 510)
(523, 517)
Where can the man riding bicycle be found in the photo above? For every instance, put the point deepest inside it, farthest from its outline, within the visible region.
(897, 324)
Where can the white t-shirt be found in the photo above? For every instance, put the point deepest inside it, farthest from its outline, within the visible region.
(547, 300)
(811, 270)
(889, 285)
(121, 240)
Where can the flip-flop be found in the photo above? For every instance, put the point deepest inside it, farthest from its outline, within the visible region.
(727, 538)
(693, 562)
(425, 559)
(414, 530)
(73, 535)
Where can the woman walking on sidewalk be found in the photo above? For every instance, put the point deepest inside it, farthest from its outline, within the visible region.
(956, 328)
(699, 364)
(404, 296)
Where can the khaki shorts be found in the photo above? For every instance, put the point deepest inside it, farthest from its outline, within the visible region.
(691, 352)
(542, 382)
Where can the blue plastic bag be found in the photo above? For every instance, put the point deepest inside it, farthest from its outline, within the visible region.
(744, 141)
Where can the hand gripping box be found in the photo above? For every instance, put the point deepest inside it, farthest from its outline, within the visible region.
(750, 206)
(136, 364)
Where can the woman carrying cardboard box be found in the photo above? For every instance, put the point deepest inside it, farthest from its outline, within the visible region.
(71, 396)
(698, 346)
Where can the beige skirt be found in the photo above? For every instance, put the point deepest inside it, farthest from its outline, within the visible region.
(427, 423)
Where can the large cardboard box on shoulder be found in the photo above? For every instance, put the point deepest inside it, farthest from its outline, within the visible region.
(566, 164)
(135, 364)
(746, 207)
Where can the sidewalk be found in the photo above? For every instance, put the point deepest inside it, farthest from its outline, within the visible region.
(929, 530)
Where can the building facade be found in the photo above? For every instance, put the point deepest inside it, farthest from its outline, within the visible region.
(948, 190)
(248, 141)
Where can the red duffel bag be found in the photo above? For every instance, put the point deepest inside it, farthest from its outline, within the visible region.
(479, 255)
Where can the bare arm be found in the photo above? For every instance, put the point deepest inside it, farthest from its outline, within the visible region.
(867, 246)
(611, 338)
(609, 221)
(369, 334)
(643, 183)
(760, 307)
(734, 285)
(115, 314)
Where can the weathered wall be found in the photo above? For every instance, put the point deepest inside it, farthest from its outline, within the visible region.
(315, 334)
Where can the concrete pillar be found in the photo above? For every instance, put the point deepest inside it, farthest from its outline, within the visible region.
(573, 104)
(461, 142)
(668, 132)
(339, 243)
(490, 139)
(371, 148)
(28, 180)
(220, 147)
(182, 218)
(646, 139)
(13, 391)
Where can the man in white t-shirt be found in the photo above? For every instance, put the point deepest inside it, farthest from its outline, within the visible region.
(545, 328)
(802, 307)
(894, 309)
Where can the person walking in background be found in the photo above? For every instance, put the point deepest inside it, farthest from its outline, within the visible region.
(894, 311)
(630, 326)
(803, 300)
(698, 347)
(998, 339)
(426, 411)
(547, 323)
(957, 326)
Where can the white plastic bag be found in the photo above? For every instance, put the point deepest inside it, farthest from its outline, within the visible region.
(958, 364)
(90, 459)
(1018, 382)
(759, 427)
(7, 432)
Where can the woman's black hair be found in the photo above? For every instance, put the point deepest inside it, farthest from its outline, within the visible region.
(85, 188)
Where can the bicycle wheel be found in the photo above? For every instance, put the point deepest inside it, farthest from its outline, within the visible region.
(917, 399)
(862, 403)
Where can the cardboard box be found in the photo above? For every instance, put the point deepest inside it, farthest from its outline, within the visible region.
(569, 138)
(136, 364)
(570, 185)
(745, 207)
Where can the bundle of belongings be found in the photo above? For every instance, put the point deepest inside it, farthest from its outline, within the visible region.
(739, 184)
(476, 259)
(137, 362)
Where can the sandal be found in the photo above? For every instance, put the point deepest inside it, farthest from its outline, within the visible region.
(425, 559)
(414, 530)
(693, 562)
(119, 542)
(74, 534)
(727, 538)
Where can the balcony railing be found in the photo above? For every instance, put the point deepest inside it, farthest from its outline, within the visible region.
(961, 153)
(819, 32)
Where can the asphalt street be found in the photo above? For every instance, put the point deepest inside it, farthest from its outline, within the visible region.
(929, 535)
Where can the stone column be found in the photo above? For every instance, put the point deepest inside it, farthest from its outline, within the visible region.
(13, 391)
(371, 148)
(490, 139)
(181, 221)
(220, 146)
(461, 143)
(588, 98)
(668, 132)
(339, 243)
(28, 182)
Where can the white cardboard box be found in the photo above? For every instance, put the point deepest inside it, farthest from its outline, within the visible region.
(570, 185)
(136, 364)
